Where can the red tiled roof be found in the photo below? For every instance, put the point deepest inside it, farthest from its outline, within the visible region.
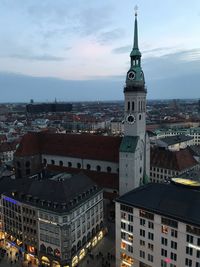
(102, 179)
(86, 146)
(173, 160)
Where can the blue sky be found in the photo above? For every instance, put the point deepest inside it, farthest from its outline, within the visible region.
(79, 49)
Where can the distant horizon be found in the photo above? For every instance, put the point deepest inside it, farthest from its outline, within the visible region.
(95, 101)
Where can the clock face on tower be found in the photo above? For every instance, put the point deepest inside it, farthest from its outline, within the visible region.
(130, 119)
(131, 75)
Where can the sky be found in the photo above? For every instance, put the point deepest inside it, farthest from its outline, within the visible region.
(75, 50)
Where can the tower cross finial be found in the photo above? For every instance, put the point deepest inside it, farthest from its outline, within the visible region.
(136, 9)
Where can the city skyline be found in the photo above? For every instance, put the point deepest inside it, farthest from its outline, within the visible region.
(64, 51)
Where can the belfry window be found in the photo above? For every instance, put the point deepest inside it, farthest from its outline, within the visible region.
(133, 106)
(128, 105)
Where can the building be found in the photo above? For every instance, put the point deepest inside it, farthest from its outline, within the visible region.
(48, 107)
(56, 226)
(159, 225)
(118, 164)
(7, 150)
(194, 132)
(175, 143)
(165, 164)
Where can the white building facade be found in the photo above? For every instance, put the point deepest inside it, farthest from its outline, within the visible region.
(151, 238)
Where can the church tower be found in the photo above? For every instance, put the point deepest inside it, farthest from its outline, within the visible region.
(134, 150)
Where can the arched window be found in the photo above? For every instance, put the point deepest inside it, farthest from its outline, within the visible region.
(128, 108)
(88, 166)
(53, 162)
(61, 163)
(44, 161)
(49, 250)
(78, 165)
(69, 164)
(98, 168)
(140, 117)
(108, 169)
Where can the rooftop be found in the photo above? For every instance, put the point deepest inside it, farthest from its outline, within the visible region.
(175, 201)
(59, 195)
(86, 146)
(177, 139)
(173, 160)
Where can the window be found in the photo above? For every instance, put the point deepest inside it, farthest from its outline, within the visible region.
(165, 229)
(151, 225)
(123, 235)
(146, 215)
(88, 167)
(189, 251)
(198, 254)
(150, 257)
(163, 263)
(142, 232)
(142, 254)
(164, 241)
(98, 168)
(133, 106)
(130, 238)
(140, 117)
(174, 233)
(126, 208)
(164, 252)
(190, 239)
(130, 249)
(123, 215)
(69, 164)
(142, 243)
(142, 222)
(193, 230)
(128, 108)
(108, 169)
(169, 222)
(61, 163)
(78, 165)
(188, 262)
(123, 225)
(130, 218)
(123, 245)
(173, 245)
(130, 228)
(173, 256)
(150, 236)
(52, 162)
(150, 246)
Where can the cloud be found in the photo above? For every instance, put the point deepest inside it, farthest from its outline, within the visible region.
(122, 49)
(44, 57)
(110, 36)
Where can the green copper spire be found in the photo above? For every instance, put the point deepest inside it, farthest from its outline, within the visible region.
(135, 77)
(135, 51)
(135, 45)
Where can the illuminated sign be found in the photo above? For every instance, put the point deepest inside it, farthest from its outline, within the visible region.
(46, 221)
(10, 200)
